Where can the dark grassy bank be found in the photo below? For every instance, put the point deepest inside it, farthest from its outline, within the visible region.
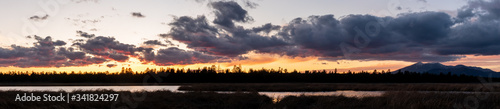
(210, 100)
(146, 100)
(394, 100)
(487, 87)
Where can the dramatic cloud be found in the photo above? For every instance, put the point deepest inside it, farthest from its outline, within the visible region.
(95, 50)
(478, 38)
(421, 36)
(45, 53)
(486, 10)
(464, 14)
(59, 43)
(105, 47)
(408, 37)
(157, 42)
(176, 56)
(480, 10)
(318, 33)
(424, 27)
(111, 49)
(137, 14)
(228, 11)
(201, 36)
(71, 53)
(266, 28)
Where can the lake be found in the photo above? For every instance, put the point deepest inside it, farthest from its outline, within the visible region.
(274, 95)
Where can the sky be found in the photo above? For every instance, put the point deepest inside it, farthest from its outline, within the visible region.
(105, 35)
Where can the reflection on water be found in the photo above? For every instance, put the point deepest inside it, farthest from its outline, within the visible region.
(274, 95)
(277, 96)
(358, 94)
(89, 88)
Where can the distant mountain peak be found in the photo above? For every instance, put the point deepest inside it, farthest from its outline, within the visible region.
(435, 63)
(436, 68)
(422, 67)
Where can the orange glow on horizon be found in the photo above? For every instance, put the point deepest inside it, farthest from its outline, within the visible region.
(259, 61)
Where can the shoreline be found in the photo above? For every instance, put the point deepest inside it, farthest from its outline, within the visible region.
(319, 87)
(296, 87)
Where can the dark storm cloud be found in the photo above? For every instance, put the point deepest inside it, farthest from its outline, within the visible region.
(408, 37)
(316, 32)
(266, 28)
(478, 38)
(481, 9)
(111, 49)
(154, 42)
(95, 50)
(489, 10)
(227, 12)
(59, 43)
(15, 53)
(191, 25)
(71, 53)
(148, 54)
(176, 56)
(46, 41)
(355, 25)
(37, 18)
(464, 14)
(424, 27)
(420, 36)
(106, 47)
(45, 53)
(201, 36)
(137, 14)
(474, 37)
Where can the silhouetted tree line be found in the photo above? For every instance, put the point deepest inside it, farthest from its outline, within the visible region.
(213, 75)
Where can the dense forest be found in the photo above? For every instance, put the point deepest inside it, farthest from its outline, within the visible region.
(236, 75)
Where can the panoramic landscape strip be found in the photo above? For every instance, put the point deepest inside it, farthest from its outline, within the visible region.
(250, 54)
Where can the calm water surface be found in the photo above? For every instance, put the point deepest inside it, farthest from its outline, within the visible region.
(274, 95)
